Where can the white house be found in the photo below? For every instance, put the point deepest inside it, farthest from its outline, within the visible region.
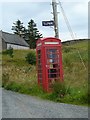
(8, 40)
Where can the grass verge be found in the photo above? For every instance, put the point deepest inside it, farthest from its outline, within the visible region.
(19, 76)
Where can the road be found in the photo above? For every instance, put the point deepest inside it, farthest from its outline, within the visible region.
(15, 105)
(0, 103)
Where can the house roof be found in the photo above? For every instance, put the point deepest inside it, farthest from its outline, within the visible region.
(13, 39)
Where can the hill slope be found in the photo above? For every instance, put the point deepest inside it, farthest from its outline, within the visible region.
(21, 77)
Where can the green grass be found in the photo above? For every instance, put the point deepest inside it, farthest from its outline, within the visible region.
(21, 77)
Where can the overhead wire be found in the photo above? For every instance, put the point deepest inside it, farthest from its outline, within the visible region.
(71, 32)
(66, 20)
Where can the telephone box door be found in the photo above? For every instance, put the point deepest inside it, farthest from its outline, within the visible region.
(53, 64)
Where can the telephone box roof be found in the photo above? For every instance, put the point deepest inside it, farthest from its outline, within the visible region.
(45, 38)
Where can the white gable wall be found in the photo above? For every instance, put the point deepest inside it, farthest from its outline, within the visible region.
(16, 46)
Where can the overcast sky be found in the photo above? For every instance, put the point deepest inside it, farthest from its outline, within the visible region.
(76, 12)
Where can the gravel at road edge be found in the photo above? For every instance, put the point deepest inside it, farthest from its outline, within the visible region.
(15, 105)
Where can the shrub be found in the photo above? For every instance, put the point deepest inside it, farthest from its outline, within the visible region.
(13, 86)
(59, 89)
(5, 79)
(31, 58)
(9, 52)
(4, 52)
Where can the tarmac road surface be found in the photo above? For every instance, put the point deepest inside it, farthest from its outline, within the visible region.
(15, 105)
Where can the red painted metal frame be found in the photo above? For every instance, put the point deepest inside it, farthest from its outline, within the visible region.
(41, 46)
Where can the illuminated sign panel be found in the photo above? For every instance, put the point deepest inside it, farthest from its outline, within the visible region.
(54, 43)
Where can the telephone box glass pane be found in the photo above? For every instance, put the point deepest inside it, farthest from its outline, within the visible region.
(39, 66)
(53, 62)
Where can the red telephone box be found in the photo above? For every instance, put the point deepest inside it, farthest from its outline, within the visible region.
(49, 62)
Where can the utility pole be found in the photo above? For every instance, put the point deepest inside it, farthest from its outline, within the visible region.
(56, 29)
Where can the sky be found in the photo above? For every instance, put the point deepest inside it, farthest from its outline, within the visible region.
(25, 10)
